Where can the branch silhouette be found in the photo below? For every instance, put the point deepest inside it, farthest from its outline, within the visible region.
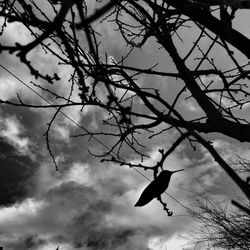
(192, 98)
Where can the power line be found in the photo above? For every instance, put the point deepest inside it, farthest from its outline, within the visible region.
(86, 130)
(46, 100)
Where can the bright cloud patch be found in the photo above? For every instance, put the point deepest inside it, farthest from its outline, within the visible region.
(81, 174)
(159, 243)
(17, 214)
(11, 129)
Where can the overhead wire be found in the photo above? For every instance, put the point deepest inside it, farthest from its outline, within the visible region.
(87, 131)
(46, 100)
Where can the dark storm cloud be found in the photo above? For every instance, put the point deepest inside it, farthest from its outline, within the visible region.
(24, 243)
(18, 163)
(92, 231)
(88, 226)
(16, 173)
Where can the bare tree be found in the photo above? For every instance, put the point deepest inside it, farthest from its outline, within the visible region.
(65, 30)
(222, 225)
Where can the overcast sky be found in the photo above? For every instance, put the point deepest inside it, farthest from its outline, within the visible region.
(88, 204)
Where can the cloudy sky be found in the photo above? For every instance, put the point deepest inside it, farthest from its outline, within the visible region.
(88, 204)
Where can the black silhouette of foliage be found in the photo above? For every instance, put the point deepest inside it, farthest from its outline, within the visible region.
(209, 68)
(221, 227)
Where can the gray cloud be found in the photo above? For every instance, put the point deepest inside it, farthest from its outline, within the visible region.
(25, 242)
(91, 216)
(99, 216)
